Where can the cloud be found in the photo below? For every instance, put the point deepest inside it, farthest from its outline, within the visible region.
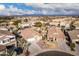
(56, 8)
(54, 5)
(41, 9)
(2, 7)
(39, 5)
(14, 11)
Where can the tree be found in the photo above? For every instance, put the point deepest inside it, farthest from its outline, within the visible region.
(38, 24)
(16, 22)
(72, 46)
(44, 37)
(15, 32)
(6, 18)
(72, 27)
(25, 20)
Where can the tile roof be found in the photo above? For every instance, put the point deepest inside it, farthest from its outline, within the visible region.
(2, 47)
(74, 34)
(28, 33)
(55, 32)
(3, 37)
(3, 32)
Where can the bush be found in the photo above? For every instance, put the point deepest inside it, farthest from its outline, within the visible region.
(52, 40)
(72, 27)
(72, 46)
(38, 24)
(44, 37)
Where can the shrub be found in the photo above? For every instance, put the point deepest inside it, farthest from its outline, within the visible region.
(72, 46)
(38, 24)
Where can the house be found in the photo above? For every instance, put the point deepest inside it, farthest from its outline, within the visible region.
(3, 49)
(30, 35)
(7, 38)
(62, 22)
(56, 22)
(76, 24)
(3, 28)
(65, 24)
(55, 33)
(74, 35)
(24, 25)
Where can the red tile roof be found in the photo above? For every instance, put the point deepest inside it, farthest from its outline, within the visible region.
(74, 34)
(2, 47)
(3, 37)
(56, 33)
(3, 32)
(28, 33)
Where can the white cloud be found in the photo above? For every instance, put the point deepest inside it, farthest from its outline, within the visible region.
(39, 5)
(56, 8)
(53, 5)
(14, 11)
(42, 9)
(2, 7)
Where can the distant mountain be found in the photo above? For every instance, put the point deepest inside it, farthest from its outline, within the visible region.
(44, 15)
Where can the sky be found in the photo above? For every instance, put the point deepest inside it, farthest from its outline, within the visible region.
(24, 9)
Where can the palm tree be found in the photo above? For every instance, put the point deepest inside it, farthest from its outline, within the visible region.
(46, 32)
(38, 24)
(15, 32)
(72, 46)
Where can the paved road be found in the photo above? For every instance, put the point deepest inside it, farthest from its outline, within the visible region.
(77, 49)
(62, 45)
(34, 48)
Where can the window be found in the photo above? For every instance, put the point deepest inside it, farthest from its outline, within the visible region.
(11, 38)
(0, 41)
(3, 41)
(8, 40)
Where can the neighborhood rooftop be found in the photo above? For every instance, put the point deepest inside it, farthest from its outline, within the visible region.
(74, 34)
(56, 33)
(3, 32)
